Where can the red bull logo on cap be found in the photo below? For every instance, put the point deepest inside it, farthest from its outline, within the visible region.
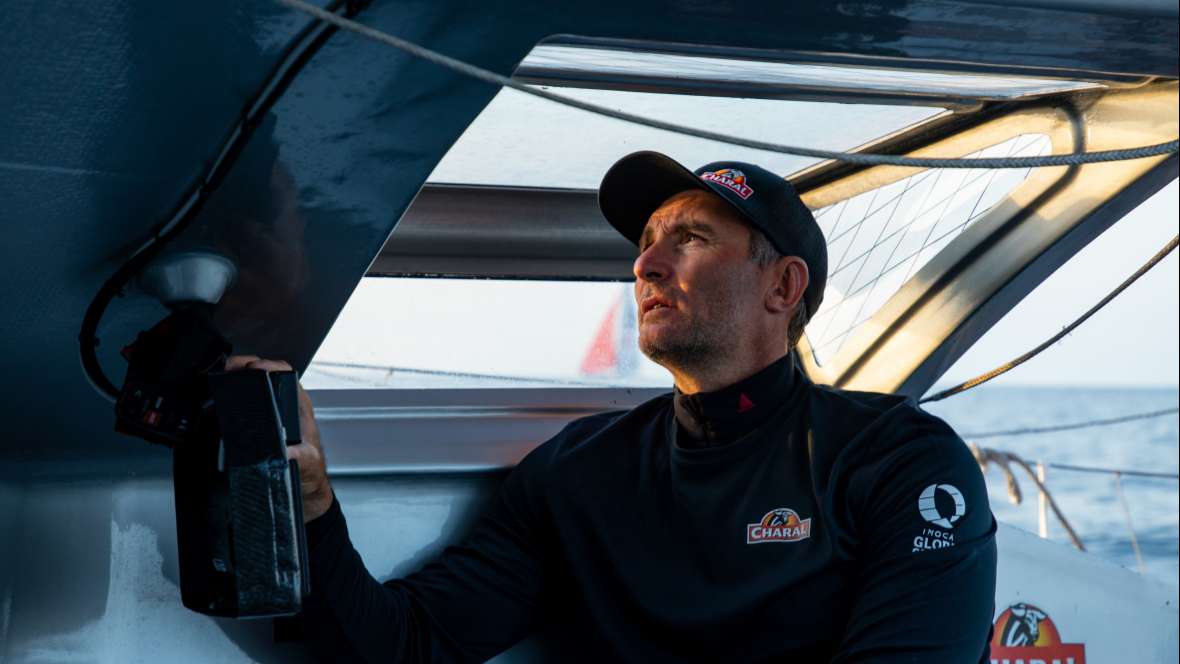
(1024, 634)
(731, 179)
(779, 525)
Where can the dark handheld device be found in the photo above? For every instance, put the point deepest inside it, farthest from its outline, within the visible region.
(239, 513)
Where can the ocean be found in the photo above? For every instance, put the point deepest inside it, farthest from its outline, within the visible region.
(1088, 500)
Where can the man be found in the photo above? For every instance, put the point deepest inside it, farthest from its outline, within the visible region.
(747, 516)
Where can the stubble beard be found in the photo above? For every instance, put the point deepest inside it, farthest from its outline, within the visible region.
(697, 346)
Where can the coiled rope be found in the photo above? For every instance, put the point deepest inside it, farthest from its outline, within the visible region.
(467, 69)
(1012, 364)
(1073, 425)
(1003, 459)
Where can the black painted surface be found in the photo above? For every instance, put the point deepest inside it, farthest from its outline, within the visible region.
(110, 112)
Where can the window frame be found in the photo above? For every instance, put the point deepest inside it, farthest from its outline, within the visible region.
(904, 347)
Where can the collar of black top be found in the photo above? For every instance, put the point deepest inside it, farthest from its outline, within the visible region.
(723, 416)
(640, 182)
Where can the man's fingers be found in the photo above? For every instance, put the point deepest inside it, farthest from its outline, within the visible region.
(299, 453)
(313, 470)
(311, 464)
(307, 424)
(305, 402)
(269, 365)
(236, 362)
(309, 459)
(306, 411)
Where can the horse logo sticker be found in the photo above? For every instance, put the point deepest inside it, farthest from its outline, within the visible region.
(732, 179)
(1026, 633)
(779, 525)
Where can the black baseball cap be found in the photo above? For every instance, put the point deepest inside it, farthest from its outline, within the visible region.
(639, 183)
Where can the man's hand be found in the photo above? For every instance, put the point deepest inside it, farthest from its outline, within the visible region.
(313, 470)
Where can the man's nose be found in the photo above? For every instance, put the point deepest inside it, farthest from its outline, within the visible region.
(652, 264)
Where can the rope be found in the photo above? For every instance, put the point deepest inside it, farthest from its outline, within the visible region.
(1118, 489)
(1012, 364)
(1114, 471)
(1074, 425)
(466, 69)
(390, 371)
(985, 457)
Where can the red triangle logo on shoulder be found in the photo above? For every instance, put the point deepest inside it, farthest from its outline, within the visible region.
(744, 403)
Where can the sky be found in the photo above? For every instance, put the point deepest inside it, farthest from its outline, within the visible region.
(495, 328)
(1133, 340)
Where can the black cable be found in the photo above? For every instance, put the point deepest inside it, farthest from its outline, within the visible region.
(297, 54)
(1012, 364)
(325, 365)
(861, 158)
(1074, 425)
(1114, 471)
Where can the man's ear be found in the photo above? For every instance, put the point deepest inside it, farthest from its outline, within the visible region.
(791, 277)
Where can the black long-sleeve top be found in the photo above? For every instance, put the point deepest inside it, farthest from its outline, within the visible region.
(773, 520)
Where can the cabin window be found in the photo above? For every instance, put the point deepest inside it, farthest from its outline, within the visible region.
(464, 333)
(413, 324)
(523, 141)
(413, 332)
(878, 239)
(503, 274)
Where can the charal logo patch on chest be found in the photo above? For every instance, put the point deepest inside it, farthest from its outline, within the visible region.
(779, 525)
(732, 179)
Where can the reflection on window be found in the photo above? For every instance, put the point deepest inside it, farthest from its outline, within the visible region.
(452, 333)
(523, 141)
(879, 239)
(578, 63)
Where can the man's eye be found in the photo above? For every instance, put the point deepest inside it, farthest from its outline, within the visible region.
(692, 237)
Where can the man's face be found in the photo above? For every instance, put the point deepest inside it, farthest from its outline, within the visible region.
(697, 288)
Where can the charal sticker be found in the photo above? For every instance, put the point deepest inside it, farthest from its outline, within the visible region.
(940, 505)
(732, 179)
(779, 525)
(1025, 633)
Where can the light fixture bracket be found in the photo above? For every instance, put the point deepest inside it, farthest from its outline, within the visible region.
(191, 277)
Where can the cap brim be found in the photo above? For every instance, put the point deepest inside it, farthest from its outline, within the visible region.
(637, 185)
